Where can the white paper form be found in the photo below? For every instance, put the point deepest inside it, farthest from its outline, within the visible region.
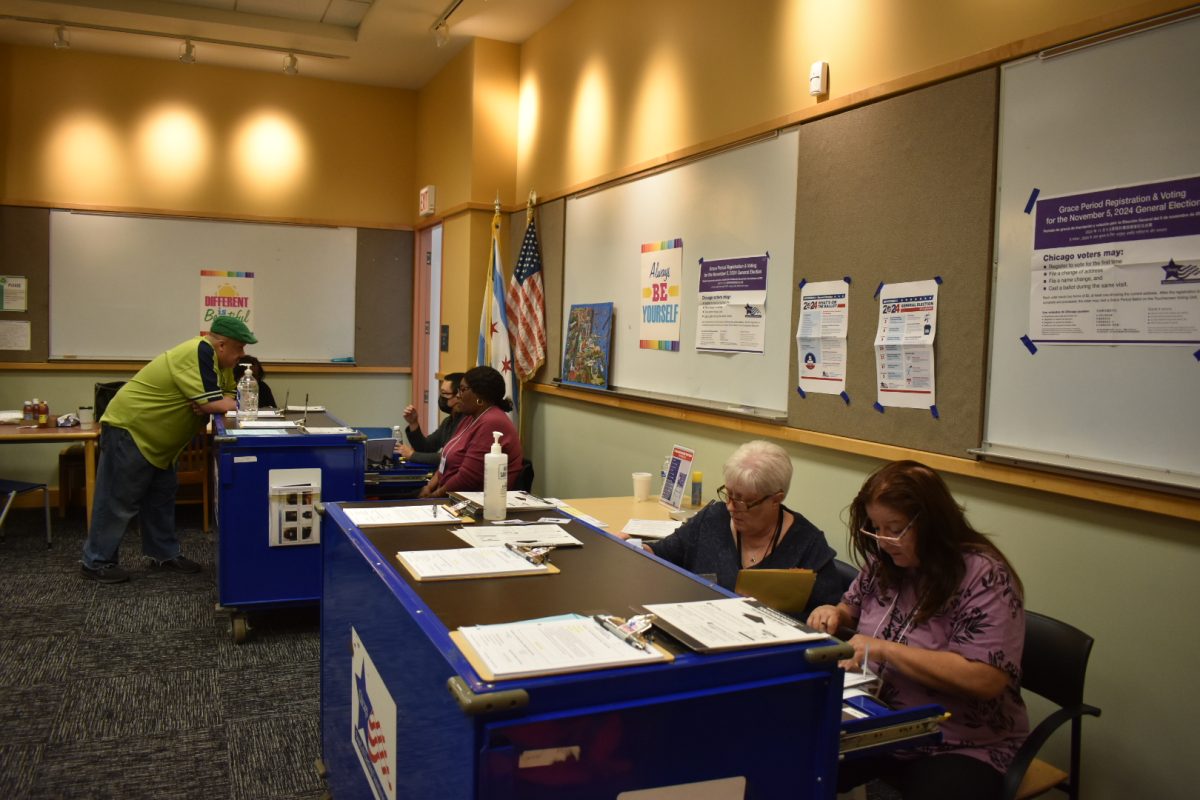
(375, 517)
(731, 314)
(904, 365)
(266, 423)
(527, 535)
(466, 562)
(821, 336)
(515, 501)
(730, 624)
(651, 528)
(541, 647)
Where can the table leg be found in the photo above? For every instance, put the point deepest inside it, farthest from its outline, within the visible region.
(89, 476)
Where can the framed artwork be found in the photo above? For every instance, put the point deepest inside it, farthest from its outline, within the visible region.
(587, 348)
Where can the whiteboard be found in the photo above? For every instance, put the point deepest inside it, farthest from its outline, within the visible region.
(1126, 112)
(737, 203)
(126, 287)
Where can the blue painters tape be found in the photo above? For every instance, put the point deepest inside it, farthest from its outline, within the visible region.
(846, 278)
(800, 392)
(937, 279)
(845, 397)
(802, 282)
(878, 407)
(1197, 355)
(933, 410)
(768, 254)
(1025, 340)
(1032, 199)
(701, 260)
(878, 289)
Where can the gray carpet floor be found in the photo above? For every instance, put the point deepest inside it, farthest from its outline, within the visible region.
(137, 690)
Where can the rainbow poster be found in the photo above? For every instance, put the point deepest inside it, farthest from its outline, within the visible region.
(226, 293)
(662, 274)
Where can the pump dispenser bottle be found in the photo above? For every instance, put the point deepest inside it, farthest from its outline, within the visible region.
(495, 480)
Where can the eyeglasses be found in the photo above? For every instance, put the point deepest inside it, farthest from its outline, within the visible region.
(890, 539)
(738, 505)
(447, 395)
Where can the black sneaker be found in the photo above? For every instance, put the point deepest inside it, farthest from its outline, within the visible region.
(106, 573)
(180, 564)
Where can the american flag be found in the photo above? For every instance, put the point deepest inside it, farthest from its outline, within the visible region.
(493, 348)
(526, 307)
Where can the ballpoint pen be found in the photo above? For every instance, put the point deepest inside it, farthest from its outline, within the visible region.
(615, 630)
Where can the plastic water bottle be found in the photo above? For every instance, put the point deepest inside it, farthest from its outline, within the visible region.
(247, 395)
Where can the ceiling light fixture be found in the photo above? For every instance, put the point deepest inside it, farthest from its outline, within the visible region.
(187, 52)
(291, 64)
(441, 26)
(62, 41)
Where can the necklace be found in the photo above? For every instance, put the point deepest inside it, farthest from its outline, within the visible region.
(767, 550)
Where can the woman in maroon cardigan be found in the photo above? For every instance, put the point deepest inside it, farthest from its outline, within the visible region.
(485, 409)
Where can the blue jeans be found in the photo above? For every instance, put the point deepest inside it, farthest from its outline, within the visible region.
(128, 484)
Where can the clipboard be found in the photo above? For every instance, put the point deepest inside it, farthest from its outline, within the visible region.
(625, 656)
(785, 590)
(514, 565)
(716, 626)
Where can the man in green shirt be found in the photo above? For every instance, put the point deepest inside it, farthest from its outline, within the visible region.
(144, 429)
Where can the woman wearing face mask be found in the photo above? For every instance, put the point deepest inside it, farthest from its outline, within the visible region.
(422, 449)
(940, 618)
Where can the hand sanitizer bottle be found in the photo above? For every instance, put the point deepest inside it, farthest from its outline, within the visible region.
(247, 395)
(495, 481)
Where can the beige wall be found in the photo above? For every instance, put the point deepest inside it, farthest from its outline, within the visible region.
(85, 130)
(612, 84)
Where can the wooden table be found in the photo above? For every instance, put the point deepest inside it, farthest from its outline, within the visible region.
(617, 511)
(88, 434)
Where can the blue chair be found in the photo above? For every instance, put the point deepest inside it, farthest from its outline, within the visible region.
(11, 489)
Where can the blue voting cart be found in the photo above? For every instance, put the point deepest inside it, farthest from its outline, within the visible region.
(268, 486)
(404, 714)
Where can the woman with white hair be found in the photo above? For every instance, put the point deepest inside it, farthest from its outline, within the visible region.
(751, 528)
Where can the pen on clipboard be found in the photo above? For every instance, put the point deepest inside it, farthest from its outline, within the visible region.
(534, 555)
(624, 636)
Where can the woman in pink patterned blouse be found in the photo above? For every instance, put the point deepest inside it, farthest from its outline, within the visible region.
(939, 617)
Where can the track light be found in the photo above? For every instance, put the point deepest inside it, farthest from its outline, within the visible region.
(61, 42)
(441, 33)
(187, 52)
(291, 64)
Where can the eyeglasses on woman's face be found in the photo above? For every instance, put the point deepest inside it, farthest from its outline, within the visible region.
(889, 537)
(738, 503)
(447, 393)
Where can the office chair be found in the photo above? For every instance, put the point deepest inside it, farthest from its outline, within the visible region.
(525, 479)
(102, 393)
(13, 488)
(1054, 666)
(847, 572)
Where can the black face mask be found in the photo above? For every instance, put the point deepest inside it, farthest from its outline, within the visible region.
(444, 404)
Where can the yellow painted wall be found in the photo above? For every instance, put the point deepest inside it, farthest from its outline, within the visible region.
(612, 84)
(494, 151)
(444, 131)
(86, 130)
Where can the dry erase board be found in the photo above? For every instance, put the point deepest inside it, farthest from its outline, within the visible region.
(125, 287)
(1122, 113)
(730, 205)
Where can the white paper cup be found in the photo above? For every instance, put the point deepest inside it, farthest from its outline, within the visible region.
(85, 415)
(641, 486)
